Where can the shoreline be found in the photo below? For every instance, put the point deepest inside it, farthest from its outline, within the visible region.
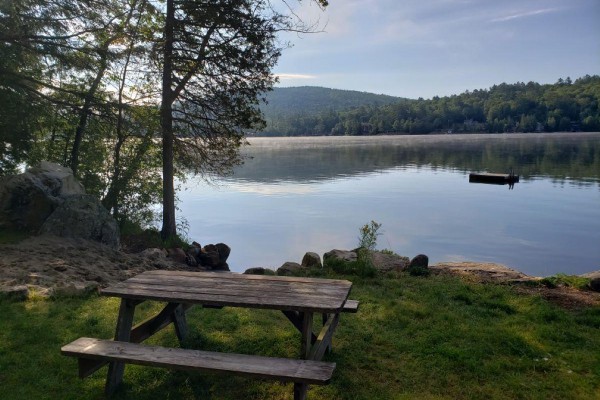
(49, 265)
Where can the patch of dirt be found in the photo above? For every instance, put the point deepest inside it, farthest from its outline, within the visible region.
(566, 297)
(49, 261)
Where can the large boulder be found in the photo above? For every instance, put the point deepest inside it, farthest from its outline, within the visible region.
(381, 261)
(340, 255)
(289, 268)
(259, 271)
(387, 262)
(311, 260)
(83, 216)
(28, 199)
(212, 256)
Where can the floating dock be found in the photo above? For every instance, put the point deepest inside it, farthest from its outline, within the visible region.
(497, 179)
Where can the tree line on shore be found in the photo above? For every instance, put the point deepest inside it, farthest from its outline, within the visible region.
(131, 94)
(520, 107)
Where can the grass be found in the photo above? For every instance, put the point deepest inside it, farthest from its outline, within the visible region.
(413, 338)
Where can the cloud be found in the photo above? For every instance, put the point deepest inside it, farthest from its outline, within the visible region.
(525, 14)
(285, 77)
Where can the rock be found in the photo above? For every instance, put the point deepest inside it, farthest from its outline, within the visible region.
(595, 284)
(311, 260)
(289, 268)
(341, 255)
(28, 199)
(223, 251)
(83, 216)
(60, 179)
(487, 272)
(177, 254)
(190, 259)
(385, 262)
(259, 271)
(19, 293)
(153, 253)
(221, 267)
(212, 256)
(419, 265)
(209, 257)
(420, 260)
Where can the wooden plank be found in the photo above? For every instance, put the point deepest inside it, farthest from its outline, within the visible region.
(351, 306)
(263, 291)
(139, 333)
(224, 276)
(122, 333)
(284, 369)
(323, 341)
(275, 286)
(293, 303)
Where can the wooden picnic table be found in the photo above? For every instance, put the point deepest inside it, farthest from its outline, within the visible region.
(298, 298)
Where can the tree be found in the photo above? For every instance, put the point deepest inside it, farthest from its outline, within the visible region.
(216, 59)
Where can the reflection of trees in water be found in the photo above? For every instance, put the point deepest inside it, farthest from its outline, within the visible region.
(573, 158)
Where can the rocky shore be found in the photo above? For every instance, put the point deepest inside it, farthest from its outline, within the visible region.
(45, 265)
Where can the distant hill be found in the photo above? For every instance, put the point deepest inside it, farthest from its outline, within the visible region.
(292, 103)
(566, 105)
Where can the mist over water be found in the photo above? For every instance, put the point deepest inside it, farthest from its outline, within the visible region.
(295, 195)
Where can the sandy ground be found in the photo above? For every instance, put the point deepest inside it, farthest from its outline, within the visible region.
(43, 262)
(48, 263)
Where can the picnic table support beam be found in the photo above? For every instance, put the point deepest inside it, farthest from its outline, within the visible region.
(301, 389)
(296, 319)
(123, 334)
(323, 342)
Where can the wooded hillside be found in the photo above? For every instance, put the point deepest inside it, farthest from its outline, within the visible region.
(520, 107)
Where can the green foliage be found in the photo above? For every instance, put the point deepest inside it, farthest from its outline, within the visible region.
(417, 270)
(573, 281)
(367, 242)
(368, 236)
(519, 107)
(135, 238)
(465, 340)
(11, 237)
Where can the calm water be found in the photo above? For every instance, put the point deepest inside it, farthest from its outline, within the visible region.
(295, 195)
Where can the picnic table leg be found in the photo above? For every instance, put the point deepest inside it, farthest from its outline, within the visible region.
(301, 389)
(180, 322)
(123, 334)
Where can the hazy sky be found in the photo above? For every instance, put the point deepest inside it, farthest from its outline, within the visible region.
(423, 48)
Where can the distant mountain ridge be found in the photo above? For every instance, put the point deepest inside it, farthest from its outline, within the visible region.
(315, 99)
(566, 105)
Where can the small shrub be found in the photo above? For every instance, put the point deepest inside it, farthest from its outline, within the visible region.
(573, 281)
(368, 236)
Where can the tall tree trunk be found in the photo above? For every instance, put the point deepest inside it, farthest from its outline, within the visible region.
(169, 227)
(86, 109)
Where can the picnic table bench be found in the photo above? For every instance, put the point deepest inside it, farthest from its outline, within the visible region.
(298, 298)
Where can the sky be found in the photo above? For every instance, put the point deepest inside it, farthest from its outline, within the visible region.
(426, 48)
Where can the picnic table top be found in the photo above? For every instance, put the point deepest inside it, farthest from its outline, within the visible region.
(236, 290)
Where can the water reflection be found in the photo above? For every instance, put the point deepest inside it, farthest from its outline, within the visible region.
(562, 158)
(312, 194)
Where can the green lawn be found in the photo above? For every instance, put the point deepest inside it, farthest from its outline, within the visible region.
(413, 338)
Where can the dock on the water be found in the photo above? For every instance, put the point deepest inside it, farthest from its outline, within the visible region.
(498, 179)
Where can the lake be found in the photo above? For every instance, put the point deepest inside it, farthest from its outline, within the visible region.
(295, 195)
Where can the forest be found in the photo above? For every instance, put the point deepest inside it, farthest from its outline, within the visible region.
(520, 107)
